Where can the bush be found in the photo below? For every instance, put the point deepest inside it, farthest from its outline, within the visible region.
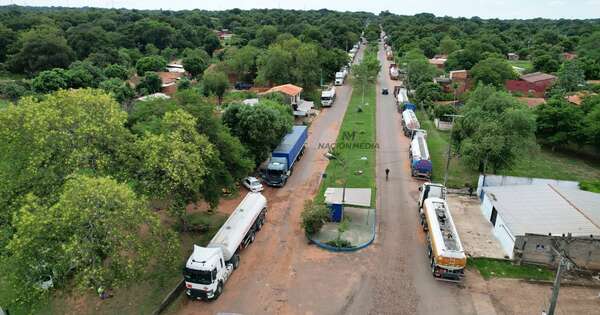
(12, 90)
(440, 110)
(340, 243)
(313, 217)
(590, 185)
(195, 222)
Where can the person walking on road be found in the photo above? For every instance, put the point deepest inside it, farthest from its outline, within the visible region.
(387, 173)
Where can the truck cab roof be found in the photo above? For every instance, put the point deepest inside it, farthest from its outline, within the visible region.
(203, 258)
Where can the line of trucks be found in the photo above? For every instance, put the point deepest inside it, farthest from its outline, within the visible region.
(208, 268)
(420, 160)
(328, 96)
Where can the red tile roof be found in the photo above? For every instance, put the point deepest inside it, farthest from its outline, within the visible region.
(537, 77)
(288, 89)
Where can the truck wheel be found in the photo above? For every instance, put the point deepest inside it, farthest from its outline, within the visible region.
(236, 261)
(218, 291)
(252, 237)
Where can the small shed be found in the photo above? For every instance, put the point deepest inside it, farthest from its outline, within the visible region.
(337, 198)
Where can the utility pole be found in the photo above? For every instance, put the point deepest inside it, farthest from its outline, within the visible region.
(562, 265)
(449, 147)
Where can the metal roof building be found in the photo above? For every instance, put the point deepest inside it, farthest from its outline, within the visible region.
(540, 209)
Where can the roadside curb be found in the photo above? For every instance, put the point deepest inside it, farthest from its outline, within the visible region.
(347, 249)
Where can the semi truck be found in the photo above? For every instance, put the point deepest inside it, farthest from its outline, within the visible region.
(328, 97)
(410, 123)
(444, 248)
(281, 163)
(420, 161)
(394, 72)
(208, 268)
(340, 77)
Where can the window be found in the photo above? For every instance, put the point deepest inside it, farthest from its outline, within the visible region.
(221, 262)
(214, 274)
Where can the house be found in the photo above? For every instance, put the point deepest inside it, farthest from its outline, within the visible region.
(290, 91)
(155, 96)
(224, 34)
(512, 56)
(175, 67)
(533, 84)
(458, 79)
(439, 63)
(569, 56)
(169, 81)
(578, 97)
(516, 211)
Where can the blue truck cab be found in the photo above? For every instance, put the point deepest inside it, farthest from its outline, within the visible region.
(282, 160)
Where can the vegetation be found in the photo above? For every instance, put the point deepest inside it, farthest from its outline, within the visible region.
(496, 268)
(313, 217)
(591, 185)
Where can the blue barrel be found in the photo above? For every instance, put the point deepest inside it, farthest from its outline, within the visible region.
(337, 212)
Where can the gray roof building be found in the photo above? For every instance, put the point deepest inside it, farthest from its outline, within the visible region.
(543, 209)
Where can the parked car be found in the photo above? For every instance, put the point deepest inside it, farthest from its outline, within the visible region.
(253, 184)
(384, 91)
(243, 86)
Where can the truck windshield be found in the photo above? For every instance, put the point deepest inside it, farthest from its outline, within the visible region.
(274, 173)
(325, 98)
(197, 276)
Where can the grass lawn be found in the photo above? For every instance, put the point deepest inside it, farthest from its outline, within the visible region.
(539, 163)
(355, 141)
(141, 297)
(525, 64)
(495, 268)
(3, 103)
(437, 142)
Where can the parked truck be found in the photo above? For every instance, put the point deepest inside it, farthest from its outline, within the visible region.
(393, 71)
(444, 248)
(208, 268)
(281, 163)
(430, 190)
(389, 55)
(410, 123)
(340, 77)
(328, 97)
(420, 161)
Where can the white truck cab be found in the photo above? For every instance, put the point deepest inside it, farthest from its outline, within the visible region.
(431, 190)
(206, 272)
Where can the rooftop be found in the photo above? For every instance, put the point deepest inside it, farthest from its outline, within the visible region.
(532, 102)
(543, 209)
(288, 89)
(537, 76)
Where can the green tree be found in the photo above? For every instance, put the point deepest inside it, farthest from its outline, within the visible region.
(195, 64)
(571, 77)
(7, 37)
(174, 163)
(119, 89)
(50, 80)
(306, 70)
(559, 123)
(259, 138)
(545, 63)
(149, 84)
(591, 127)
(13, 90)
(448, 45)
(150, 63)
(86, 39)
(275, 66)
(589, 46)
(41, 49)
(492, 71)
(83, 74)
(92, 236)
(215, 83)
(419, 69)
(116, 71)
(43, 142)
(428, 91)
(495, 130)
(243, 62)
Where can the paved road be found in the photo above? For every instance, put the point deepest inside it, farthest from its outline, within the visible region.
(282, 274)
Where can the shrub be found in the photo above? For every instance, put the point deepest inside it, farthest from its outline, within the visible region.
(313, 217)
(590, 185)
(340, 243)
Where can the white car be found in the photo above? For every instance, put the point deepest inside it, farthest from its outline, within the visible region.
(253, 184)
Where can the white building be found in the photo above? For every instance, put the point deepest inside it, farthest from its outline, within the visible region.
(539, 209)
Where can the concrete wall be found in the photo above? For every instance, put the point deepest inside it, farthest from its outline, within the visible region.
(500, 180)
(584, 251)
(500, 229)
